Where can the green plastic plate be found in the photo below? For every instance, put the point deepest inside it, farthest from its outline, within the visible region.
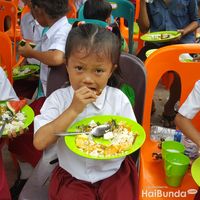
(18, 72)
(149, 52)
(195, 170)
(70, 140)
(157, 36)
(29, 113)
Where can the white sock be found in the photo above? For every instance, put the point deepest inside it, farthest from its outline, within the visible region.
(26, 170)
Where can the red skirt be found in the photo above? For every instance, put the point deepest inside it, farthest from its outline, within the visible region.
(22, 146)
(4, 189)
(122, 185)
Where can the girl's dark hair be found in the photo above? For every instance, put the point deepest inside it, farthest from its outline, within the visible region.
(53, 8)
(97, 9)
(101, 41)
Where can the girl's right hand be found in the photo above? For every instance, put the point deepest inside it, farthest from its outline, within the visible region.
(82, 97)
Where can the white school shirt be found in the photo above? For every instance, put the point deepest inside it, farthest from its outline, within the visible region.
(111, 102)
(30, 28)
(6, 90)
(191, 106)
(54, 39)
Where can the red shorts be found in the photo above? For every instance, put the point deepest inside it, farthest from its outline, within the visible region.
(122, 185)
(22, 146)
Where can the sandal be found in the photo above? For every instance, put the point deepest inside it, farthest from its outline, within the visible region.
(168, 120)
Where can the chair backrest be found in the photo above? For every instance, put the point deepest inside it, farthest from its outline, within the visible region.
(57, 78)
(133, 72)
(9, 9)
(159, 62)
(91, 21)
(120, 8)
(6, 54)
(125, 9)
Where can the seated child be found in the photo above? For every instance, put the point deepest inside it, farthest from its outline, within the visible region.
(186, 113)
(101, 10)
(92, 56)
(7, 93)
(52, 44)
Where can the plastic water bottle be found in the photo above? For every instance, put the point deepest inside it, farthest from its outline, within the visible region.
(149, 1)
(191, 149)
(159, 132)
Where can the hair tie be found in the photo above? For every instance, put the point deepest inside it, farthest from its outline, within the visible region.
(109, 28)
(80, 23)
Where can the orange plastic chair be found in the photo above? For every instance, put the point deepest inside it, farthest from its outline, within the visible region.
(6, 55)
(72, 13)
(25, 10)
(136, 34)
(8, 8)
(151, 171)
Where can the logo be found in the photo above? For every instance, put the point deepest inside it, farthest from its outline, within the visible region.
(152, 193)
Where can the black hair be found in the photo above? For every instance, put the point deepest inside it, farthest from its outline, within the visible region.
(53, 8)
(101, 41)
(97, 9)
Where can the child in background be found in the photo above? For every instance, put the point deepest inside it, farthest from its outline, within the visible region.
(32, 32)
(30, 28)
(186, 113)
(101, 10)
(50, 14)
(181, 16)
(6, 93)
(92, 57)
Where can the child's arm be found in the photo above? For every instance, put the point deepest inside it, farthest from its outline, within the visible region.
(186, 126)
(143, 20)
(50, 58)
(45, 135)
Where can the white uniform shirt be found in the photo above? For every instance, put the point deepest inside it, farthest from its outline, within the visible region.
(191, 106)
(111, 102)
(54, 39)
(6, 90)
(30, 28)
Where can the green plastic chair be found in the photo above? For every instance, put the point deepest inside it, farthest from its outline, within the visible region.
(91, 21)
(124, 9)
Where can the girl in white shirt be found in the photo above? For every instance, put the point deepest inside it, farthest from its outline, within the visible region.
(92, 57)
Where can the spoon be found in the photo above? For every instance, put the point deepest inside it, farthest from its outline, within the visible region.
(5, 121)
(97, 131)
